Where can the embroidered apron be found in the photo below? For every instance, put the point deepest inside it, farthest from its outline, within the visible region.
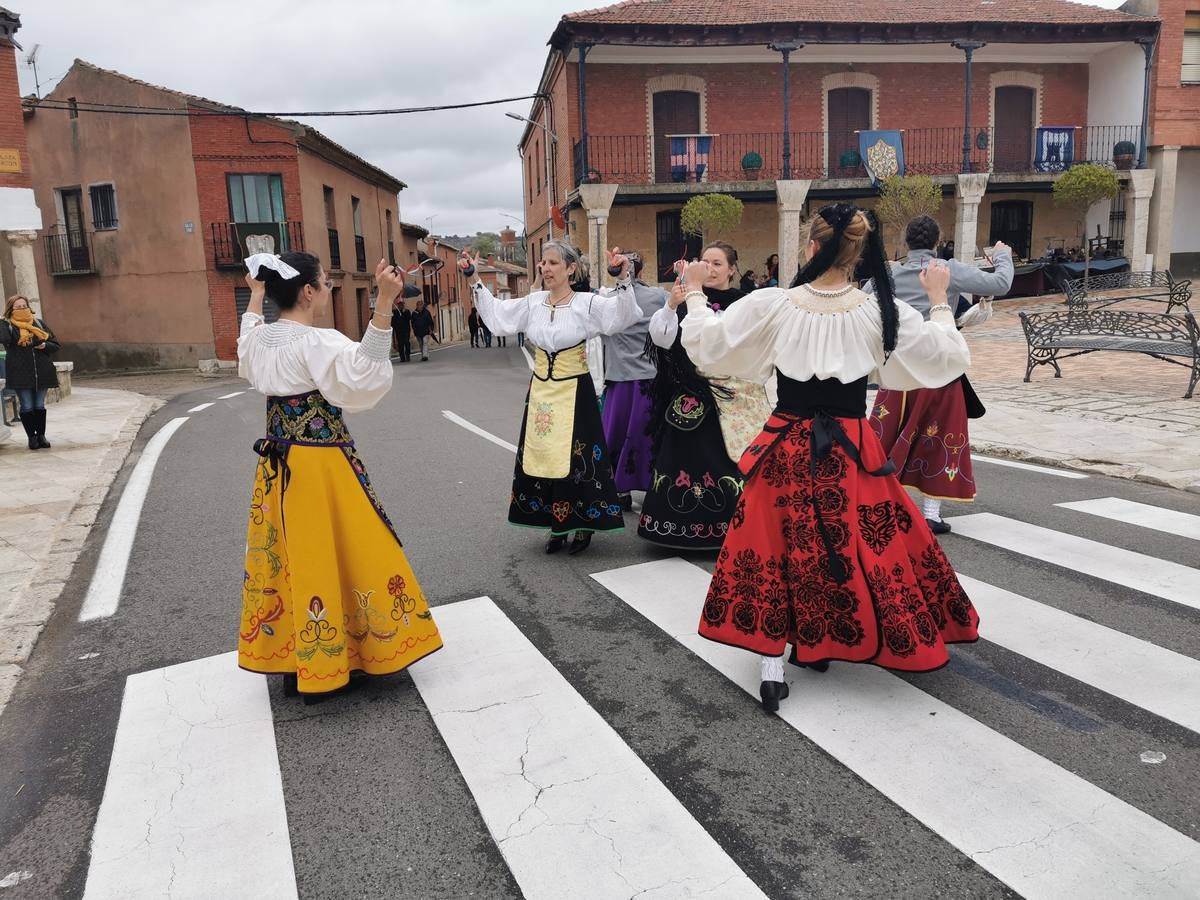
(550, 414)
(743, 415)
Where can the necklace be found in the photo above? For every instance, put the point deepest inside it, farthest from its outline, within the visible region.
(837, 292)
(555, 305)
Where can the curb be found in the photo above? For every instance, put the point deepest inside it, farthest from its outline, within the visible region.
(1093, 466)
(22, 622)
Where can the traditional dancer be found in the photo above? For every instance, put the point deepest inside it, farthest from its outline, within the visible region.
(924, 432)
(563, 480)
(327, 588)
(826, 551)
(701, 425)
(628, 378)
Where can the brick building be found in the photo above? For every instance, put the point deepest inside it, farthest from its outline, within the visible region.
(143, 264)
(783, 90)
(20, 217)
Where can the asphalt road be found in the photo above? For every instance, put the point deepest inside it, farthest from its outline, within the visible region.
(377, 805)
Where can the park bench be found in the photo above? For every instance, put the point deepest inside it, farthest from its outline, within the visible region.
(1115, 287)
(1086, 330)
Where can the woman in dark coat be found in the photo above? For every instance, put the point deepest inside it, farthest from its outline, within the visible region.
(30, 370)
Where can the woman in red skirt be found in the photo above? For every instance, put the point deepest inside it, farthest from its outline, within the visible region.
(826, 551)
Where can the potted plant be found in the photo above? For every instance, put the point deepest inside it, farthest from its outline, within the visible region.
(850, 159)
(1124, 154)
(751, 165)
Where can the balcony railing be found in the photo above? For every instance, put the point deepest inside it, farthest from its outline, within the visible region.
(639, 159)
(69, 253)
(229, 240)
(335, 249)
(360, 253)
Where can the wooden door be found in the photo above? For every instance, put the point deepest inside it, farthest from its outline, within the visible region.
(849, 113)
(77, 251)
(1014, 129)
(1012, 222)
(675, 112)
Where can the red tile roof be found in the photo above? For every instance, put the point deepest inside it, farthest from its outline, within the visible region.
(717, 13)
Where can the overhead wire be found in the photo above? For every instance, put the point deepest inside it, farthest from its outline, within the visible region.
(95, 106)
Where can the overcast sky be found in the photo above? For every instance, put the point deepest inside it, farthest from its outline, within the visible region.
(461, 166)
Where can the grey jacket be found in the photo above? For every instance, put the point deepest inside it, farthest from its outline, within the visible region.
(964, 279)
(623, 352)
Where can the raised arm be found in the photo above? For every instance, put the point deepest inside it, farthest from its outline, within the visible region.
(735, 342)
(664, 326)
(968, 279)
(928, 353)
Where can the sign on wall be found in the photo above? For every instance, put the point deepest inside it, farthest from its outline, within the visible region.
(10, 160)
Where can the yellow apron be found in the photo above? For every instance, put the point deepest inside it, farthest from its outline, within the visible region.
(550, 412)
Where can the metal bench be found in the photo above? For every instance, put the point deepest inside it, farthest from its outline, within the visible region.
(1132, 285)
(1088, 330)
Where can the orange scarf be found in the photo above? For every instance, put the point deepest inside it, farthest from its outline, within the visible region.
(30, 333)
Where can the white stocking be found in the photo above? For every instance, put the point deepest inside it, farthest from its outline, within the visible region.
(933, 509)
(772, 668)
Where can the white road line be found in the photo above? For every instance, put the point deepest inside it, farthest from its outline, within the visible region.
(528, 358)
(231, 396)
(193, 805)
(1042, 830)
(475, 429)
(201, 408)
(573, 809)
(1161, 681)
(1029, 467)
(1156, 517)
(1148, 574)
(104, 593)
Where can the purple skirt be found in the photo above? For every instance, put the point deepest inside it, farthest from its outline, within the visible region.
(626, 418)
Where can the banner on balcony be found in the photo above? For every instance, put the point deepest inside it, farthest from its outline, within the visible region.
(689, 156)
(1055, 150)
(882, 153)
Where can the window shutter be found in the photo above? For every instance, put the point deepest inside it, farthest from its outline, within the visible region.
(241, 300)
(1191, 49)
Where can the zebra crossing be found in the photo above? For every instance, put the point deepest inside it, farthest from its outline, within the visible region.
(576, 812)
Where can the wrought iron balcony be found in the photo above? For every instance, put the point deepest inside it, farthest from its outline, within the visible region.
(230, 246)
(69, 253)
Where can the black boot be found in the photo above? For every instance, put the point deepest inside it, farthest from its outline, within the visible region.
(40, 426)
(27, 421)
(555, 543)
(582, 539)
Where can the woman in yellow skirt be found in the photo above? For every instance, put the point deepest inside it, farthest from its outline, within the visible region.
(327, 588)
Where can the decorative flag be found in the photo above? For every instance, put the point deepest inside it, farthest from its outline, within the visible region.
(689, 156)
(882, 153)
(1055, 149)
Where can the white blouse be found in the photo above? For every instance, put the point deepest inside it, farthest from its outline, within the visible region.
(807, 333)
(559, 327)
(664, 325)
(287, 358)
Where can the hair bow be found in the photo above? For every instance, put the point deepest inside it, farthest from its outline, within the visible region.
(269, 261)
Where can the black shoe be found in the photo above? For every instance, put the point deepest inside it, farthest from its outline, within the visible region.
(821, 665)
(626, 501)
(937, 526)
(290, 687)
(772, 692)
(582, 539)
(555, 543)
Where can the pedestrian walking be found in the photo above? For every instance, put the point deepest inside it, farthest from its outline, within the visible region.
(327, 589)
(422, 326)
(402, 328)
(29, 370)
(925, 432)
(827, 552)
(563, 478)
(473, 327)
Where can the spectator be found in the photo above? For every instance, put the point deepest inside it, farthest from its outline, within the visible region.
(402, 329)
(473, 327)
(29, 369)
(748, 283)
(422, 326)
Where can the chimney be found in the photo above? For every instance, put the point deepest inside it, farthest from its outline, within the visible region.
(508, 236)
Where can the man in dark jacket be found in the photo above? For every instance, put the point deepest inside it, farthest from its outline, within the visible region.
(473, 326)
(402, 329)
(422, 326)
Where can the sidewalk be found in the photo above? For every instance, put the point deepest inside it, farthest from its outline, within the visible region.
(1119, 414)
(51, 499)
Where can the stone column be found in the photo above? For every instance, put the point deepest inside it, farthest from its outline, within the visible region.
(24, 268)
(1137, 217)
(1164, 165)
(791, 196)
(597, 202)
(968, 193)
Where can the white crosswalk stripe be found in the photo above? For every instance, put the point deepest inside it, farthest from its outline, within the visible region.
(1037, 827)
(1157, 577)
(1168, 521)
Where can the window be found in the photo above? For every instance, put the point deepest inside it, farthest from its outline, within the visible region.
(391, 243)
(537, 149)
(529, 177)
(1191, 48)
(356, 213)
(241, 300)
(104, 206)
(330, 213)
(360, 245)
(673, 244)
(256, 198)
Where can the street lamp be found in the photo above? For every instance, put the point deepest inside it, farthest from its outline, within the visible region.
(551, 136)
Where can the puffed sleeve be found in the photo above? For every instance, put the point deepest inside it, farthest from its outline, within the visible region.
(250, 321)
(613, 313)
(664, 325)
(928, 353)
(502, 317)
(354, 376)
(978, 314)
(737, 341)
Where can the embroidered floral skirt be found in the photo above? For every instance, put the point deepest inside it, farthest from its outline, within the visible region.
(586, 500)
(924, 433)
(694, 488)
(626, 417)
(327, 588)
(901, 603)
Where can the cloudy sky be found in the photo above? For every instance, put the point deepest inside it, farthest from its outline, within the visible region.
(461, 166)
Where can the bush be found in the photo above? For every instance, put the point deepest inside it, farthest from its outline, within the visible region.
(752, 160)
(904, 197)
(710, 215)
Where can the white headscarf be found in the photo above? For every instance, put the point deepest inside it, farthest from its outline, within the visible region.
(269, 261)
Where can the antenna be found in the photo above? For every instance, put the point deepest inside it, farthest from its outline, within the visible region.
(31, 61)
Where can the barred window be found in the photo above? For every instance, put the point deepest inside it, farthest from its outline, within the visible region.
(104, 206)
